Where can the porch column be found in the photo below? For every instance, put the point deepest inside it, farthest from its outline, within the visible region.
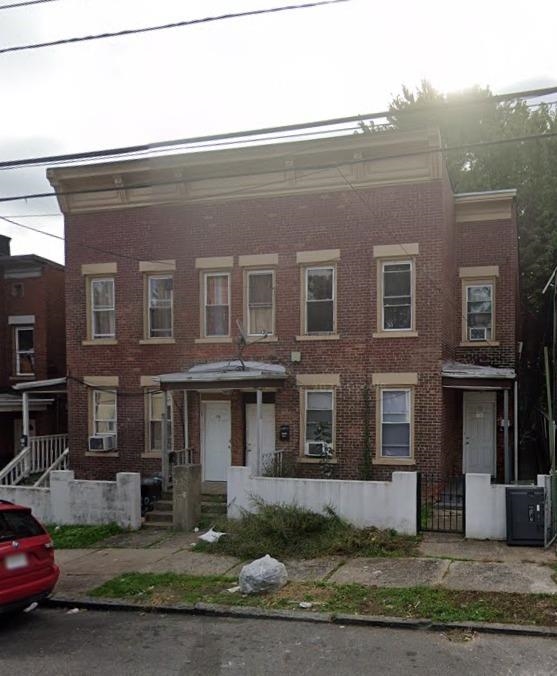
(506, 435)
(259, 402)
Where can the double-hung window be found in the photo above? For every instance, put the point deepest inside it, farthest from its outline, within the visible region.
(395, 421)
(260, 302)
(397, 296)
(103, 308)
(319, 421)
(479, 312)
(104, 412)
(217, 304)
(320, 300)
(160, 299)
(156, 421)
(24, 350)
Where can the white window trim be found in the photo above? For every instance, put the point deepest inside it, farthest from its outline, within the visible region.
(94, 418)
(92, 282)
(19, 352)
(273, 304)
(149, 328)
(394, 459)
(206, 276)
(307, 392)
(149, 448)
(472, 284)
(391, 261)
(307, 270)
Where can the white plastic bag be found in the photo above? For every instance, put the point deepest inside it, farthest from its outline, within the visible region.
(263, 575)
(211, 536)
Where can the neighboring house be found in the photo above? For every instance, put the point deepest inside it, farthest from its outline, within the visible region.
(353, 270)
(32, 344)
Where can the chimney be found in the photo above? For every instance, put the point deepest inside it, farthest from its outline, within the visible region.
(5, 245)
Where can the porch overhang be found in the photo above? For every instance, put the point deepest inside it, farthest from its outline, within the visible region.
(228, 375)
(13, 403)
(456, 375)
(51, 386)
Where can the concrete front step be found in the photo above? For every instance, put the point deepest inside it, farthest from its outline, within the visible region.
(163, 506)
(158, 515)
(157, 524)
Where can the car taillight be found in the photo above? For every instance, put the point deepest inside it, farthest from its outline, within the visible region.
(49, 545)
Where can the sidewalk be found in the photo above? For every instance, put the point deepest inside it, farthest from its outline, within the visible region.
(445, 562)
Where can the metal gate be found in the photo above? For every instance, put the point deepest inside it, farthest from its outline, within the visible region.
(550, 527)
(441, 503)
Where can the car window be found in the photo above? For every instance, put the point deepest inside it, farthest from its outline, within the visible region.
(15, 525)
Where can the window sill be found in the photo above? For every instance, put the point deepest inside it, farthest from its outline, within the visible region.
(26, 376)
(100, 341)
(101, 454)
(259, 339)
(324, 336)
(157, 341)
(156, 455)
(393, 461)
(213, 339)
(306, 459)
(395, 334)
(479, 343)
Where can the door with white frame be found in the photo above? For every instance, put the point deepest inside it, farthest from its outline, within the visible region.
(479, 422)
(215, 439)
(254, 461)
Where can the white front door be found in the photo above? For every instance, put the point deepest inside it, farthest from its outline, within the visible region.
(479, 437)
(268, 437)
(216, 433)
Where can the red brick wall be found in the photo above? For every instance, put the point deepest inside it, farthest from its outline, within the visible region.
(283, 225)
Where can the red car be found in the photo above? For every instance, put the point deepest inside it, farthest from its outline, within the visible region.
(27, 569)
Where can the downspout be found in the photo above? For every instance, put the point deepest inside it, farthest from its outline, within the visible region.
(515, 430)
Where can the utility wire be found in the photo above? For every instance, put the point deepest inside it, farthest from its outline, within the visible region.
(14, 5)
(263, 131)
(311, 168)
(176, 24)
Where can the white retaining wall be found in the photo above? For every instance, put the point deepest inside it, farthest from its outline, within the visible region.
(383, 504)
(72, 502)
(486, 508)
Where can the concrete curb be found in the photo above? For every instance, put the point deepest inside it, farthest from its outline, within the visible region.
(245, 612)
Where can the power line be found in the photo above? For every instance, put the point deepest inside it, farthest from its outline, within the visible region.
(14, 5)
(176, 24)
(311, 168)
(282, 129)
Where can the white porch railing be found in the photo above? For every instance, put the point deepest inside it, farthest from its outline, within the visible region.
(42, 453)
(273, 463)
(61, 462)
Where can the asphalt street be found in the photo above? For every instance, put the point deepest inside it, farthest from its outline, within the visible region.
(57, 642)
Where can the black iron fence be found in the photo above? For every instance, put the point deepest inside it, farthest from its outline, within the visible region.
(441, 503)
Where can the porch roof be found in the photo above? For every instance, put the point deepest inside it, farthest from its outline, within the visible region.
(52, 383)
(13, 403)
(232, 374)
(475, 377)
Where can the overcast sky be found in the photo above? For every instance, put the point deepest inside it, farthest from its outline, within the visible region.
(297, 66)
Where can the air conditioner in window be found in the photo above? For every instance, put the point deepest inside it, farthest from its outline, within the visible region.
(316, 448)
(477, 333)
(106, 442)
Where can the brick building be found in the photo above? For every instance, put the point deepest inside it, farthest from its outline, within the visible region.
(32, 344)
(379, 310)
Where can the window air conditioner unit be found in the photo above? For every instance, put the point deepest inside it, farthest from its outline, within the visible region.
(478, 333)
(315, 448)
(102, 443)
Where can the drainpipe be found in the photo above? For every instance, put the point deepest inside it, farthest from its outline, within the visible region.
(164, 444)
(506, 435)
(259, 402)
(25, 416)
(515, 430)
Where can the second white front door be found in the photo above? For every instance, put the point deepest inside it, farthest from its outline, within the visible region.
(479, 438)
(254, 462)
(216, 439)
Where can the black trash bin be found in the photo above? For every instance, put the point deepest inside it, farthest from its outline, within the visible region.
(151, 491)
(525, 516)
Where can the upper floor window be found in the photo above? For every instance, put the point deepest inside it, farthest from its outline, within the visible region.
(320, 300)
(216, 304)
(397, 296)
(160, 301)
(395, 422)
(24, 350)
(104, 412)
(103, 309)
(260, 302)
(479, 312)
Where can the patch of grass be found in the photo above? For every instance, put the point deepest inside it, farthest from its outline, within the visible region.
(289, 531)
(443, 605)
(78, 537)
